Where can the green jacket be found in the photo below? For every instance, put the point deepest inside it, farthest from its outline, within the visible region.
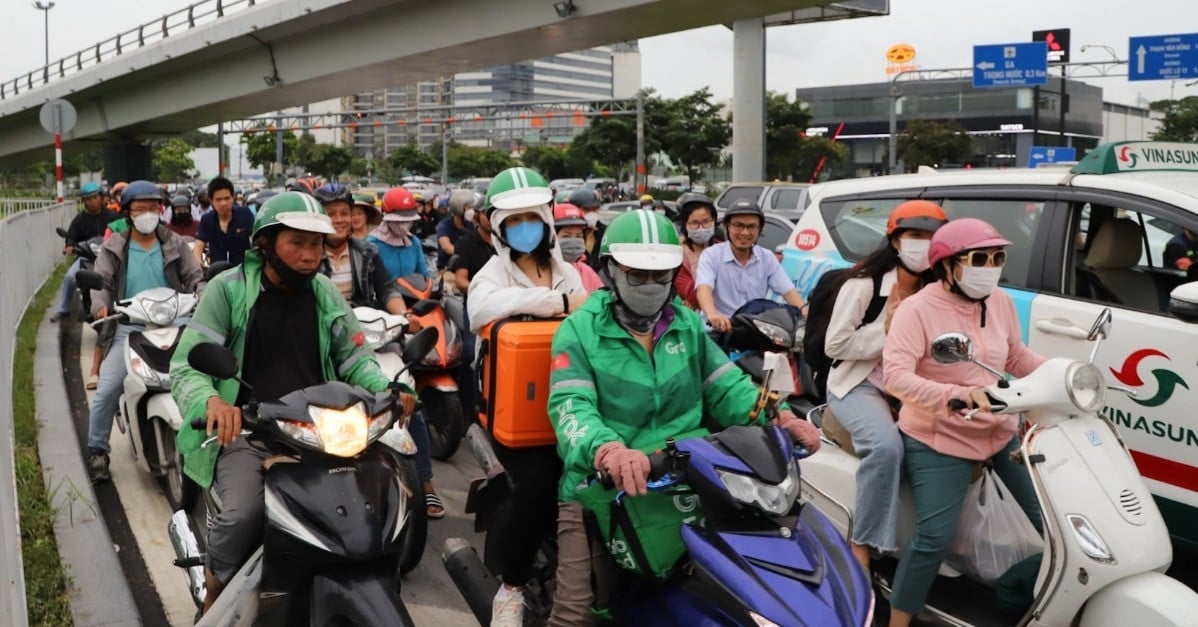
(222, 316)
(604, 387)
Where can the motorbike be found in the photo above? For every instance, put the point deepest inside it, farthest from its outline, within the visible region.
(1105, 543)
(147, 412)
(381, 330)
(436, 384)
(336, 511)
(755, 554)
(87, 252)
(763, 326)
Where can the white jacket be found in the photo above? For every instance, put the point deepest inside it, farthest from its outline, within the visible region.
(859, 348)
(501, 290)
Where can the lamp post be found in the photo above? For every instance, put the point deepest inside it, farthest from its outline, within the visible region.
(1109, 50)
(45, 7)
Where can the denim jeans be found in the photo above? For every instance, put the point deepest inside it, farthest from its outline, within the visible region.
(68, 289)
(865, 413)
(418, 429)
(108, 391)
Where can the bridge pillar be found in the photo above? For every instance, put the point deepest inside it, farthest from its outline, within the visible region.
(748, 100)
(127, 161)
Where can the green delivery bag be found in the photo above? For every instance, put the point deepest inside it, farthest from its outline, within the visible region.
(642, 533)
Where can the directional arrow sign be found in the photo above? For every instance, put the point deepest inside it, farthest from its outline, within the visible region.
(1010, 65)
(1163, 57)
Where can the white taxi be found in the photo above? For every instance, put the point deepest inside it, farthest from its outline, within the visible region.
(1089, 237)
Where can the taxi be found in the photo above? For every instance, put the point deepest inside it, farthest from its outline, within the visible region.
(1085, 238)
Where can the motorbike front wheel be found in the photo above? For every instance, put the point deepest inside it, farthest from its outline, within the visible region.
(179, 490)
(443, 415)
(416, 535)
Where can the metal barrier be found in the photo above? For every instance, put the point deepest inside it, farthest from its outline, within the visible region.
(9, 206)
(184, 19)
(29, 242)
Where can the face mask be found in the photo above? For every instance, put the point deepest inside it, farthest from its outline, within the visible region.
(526, 236)
(979, 282)
(572, 248)
(642, 300)
(146, 223)
(701, 236)
(400, 229)
(469, 215)
(913, 253)
(182, 219)
(292, 279)
(592, 218)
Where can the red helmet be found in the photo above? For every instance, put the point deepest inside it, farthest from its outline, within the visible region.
(962, 234)
(565, 214)
(399, 204)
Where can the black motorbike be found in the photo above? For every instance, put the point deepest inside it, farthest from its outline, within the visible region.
(87, 252)
(336, 511)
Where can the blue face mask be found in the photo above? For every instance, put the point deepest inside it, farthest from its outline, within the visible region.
(526, 236)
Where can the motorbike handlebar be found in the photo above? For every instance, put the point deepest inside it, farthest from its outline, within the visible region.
(659, 466)
(97, 323)
(956, 404)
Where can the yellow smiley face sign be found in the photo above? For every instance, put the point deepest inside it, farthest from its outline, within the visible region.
(900, 53)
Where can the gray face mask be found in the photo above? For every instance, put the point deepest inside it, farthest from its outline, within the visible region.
(642, 300)
(572, 248)
(701, 236)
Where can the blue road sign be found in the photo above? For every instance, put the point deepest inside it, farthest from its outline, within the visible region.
(1050, 154)
(1010, 65)
(1162, 57)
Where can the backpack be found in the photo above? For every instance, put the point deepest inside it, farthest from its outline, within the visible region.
(819, 314)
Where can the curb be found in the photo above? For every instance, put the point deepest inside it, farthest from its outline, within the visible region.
(99, 595)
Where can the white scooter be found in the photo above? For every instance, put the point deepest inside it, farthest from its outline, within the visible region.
(1105, 544)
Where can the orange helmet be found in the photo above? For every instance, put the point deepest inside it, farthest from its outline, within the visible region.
(921, 215)
(118, 188)
(565, 214)
(399, 205)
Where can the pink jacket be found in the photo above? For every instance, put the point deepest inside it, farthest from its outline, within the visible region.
(925, 387)
(590, 278)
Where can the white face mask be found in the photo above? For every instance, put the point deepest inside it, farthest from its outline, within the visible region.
(146, 223)
(468, 215)
(592, 218)
(979, 282)
(914, 254)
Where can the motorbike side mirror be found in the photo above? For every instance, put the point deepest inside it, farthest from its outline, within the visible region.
(216, 268)
(89, 279)
(61, 231)
(1183, 302)
(213, 360)
(424, 307)
(420, 344)
(1101, 327)
(952, 348)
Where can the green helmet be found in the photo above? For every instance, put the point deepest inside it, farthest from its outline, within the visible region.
(518, 188)
(292, 210)
(643, 240)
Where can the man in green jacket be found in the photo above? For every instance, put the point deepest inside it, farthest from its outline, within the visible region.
(632, 367)
(289, 328)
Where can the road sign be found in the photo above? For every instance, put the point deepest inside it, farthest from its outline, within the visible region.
(1057, 40)
(1162, 57)
(1050, 154)
(1010, 65)
(57, 116)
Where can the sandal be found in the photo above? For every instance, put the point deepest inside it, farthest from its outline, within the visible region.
(93, 381)
(434, 507)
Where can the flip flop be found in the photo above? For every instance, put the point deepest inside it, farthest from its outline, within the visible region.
(93, 381)
(434, 507)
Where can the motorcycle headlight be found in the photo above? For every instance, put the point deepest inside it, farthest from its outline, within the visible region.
(151, 377)
(772, 499)
(341, 432)
(162, 312)
(1089, 540)
(775, 333)
(379, 424)
(1086, 386)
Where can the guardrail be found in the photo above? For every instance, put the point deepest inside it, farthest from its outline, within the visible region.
(29, 237)
(184, 19)
(9, 206)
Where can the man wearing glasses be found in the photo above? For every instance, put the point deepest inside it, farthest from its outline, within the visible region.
(737, 271)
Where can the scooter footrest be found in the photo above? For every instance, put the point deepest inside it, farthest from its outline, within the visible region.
(188, 562)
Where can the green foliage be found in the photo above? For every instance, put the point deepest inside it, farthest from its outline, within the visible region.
(199, 139)
(171, 162)
(76, 161)
(814, 149)
(785, 124)
(328, 161)
(465, 161)
(932, 143)
(260, 146)
(359, 166)
(555, 162)
(696, 133)
(411, 159)
(303, 149)
(1180, 121)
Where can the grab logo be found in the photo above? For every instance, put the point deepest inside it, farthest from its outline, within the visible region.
(1166, 380)
(807, 239)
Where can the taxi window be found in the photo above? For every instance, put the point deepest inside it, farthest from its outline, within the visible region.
(1016, 219)
(738, 193)
(787, 198)
(774, 234)
(858, 227)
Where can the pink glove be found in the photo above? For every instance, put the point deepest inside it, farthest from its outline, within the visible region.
(803, 432)
(628, 468)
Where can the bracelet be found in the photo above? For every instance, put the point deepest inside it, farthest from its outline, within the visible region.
(565, 303)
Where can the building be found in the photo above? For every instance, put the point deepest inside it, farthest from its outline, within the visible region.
(1127, 122)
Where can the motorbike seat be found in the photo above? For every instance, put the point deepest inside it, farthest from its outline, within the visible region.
(159, 358)
(834, 431)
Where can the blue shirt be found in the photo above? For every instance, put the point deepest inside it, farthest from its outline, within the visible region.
(401, 260)
(733, 285)
(446, 228)
(227, 245)
(143, 269)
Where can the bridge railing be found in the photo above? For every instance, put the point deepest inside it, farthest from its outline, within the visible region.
(170, 24)
(9, 206)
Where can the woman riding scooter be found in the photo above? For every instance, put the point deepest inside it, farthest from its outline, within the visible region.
(942, 447)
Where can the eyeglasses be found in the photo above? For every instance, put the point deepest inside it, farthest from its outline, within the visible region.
(142, 210)
(637, 278)
(700, 225)
(744, 226)
(982, 258)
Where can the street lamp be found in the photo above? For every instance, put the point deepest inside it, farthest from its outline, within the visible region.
(1109, 50)
(45, 9)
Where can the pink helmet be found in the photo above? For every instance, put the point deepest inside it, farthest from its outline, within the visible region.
(962, 234)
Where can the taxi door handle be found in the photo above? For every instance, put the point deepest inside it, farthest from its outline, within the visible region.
(1058, 326)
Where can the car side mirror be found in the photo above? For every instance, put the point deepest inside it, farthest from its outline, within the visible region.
(1101, 327)
(213, 360)
(952, 348)
(89, 279)
(1183, 302)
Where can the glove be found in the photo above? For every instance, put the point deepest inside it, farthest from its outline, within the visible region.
(628, 468)
(802, 431)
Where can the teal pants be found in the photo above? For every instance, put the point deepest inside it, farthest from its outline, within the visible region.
(940, 482)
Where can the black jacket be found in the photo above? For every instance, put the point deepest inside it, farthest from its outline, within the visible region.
(88, 225)
(373, 286)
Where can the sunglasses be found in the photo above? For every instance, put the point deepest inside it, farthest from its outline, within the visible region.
(982, 258)
(637, 278)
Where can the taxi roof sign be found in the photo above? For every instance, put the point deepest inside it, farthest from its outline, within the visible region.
(1139, 157)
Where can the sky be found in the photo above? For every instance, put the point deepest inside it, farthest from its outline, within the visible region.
(842, 52)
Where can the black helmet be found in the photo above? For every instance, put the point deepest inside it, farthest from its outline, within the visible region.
(180, 201)
(584, 198)
(690, 201)
(331, 192)
(744, 208)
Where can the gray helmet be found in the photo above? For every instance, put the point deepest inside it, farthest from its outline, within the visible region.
(744, 208)
(180, 201)
(584, 198)
(460, 199)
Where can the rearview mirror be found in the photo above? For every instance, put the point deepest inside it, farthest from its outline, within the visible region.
(1183, 302)
(420, 344)
(952, 348)
(424, 307)
(216, 268)
(61, 231)
(213, 360)
(1101, 327)
(89, 279)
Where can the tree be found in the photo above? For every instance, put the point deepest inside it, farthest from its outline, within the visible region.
(611, 140)
(813, 151)
(554, 162)
(411, 159)
(199, 139)
(260, 146)
(329, 161)
(696, 133)
(932, 143)
(467, 161)
(171, 162)
(76, 162)
(785, 125)
(303, 150)
(360, 166)
(1180, 121)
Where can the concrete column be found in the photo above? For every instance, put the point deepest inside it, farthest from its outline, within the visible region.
(748, 100)
(127, 161)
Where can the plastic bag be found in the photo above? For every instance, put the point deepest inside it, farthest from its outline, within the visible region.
(993, 534)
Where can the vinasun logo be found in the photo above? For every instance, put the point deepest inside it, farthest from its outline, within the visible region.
(1166, 380)
(1125, 155)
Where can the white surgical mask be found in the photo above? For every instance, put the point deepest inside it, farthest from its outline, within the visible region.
(592, 218)
(146, 223)
(914, 254)
(979, 282)
(469, 215)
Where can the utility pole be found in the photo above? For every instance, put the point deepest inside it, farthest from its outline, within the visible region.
(45, 9)
(279, 149)
(641, 182)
